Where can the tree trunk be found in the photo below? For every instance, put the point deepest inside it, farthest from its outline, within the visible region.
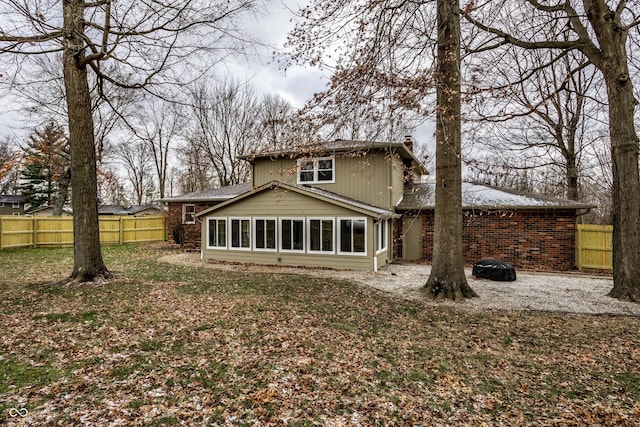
(62, 193)
(626, 187)
(612, 39)
(88, 263)
(572, 178)
(447, 279)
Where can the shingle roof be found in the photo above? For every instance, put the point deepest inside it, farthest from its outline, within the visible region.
(311, 192)
(487, 197)
(343, 200)
(217, 194)
(121, 210)
(340, 146)
(12, 198)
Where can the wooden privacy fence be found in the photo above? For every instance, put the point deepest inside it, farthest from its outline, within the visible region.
(594, 247)
(47, 231)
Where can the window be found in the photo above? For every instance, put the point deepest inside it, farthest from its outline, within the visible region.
(292, 234)
(321, 235)
(316, 171)
(188, 214)
(217, 233)
(353, 236)
(240, 233)
(2, 205)
(15, 205)
(380, 232)
(265, 234)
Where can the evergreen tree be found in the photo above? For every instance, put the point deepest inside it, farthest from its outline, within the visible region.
(45, 176)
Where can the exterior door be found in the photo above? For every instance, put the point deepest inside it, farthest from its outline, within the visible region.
(412, 238)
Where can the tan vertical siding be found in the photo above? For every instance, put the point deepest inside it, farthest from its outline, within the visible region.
(279, 203)
(375, 179)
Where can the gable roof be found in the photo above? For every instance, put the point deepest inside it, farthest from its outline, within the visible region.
(344, 146)
(215, 195)
(479, 196)
(12, 198)
(326, 196)
(49, 208)
(121, 210)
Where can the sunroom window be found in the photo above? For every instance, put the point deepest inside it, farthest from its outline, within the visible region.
(217, 233)
(380, 234)
(265, 234)
(321, 235)
(353, 236)
(240, 233)
(292, 234)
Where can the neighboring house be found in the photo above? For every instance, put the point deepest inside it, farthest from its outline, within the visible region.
(134, 210)
(182, 210)
(360, 205)
(12, 204)
(329, 206)
(527, 231)
(48, 211)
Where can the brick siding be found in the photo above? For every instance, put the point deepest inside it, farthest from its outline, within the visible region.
(535, 240)
(192, 232)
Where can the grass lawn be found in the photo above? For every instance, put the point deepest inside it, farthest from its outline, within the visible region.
(170, 345)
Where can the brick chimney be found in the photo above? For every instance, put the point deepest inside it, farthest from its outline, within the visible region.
(409, 176)
(408, 141)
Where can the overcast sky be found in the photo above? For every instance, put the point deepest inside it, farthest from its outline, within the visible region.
(297, 84)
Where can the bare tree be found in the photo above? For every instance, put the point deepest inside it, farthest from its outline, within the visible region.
(159, 126)
(194, 174)
(542, 121)
(225, 127)
(277, 123)
(110, 190)
(599, 30)
(130, 44)
(447, 278)
(135, 157)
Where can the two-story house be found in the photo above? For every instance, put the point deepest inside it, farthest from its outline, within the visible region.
(12, 204)
(326, 206)
(360, 205)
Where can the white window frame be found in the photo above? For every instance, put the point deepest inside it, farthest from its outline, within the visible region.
(1, 204)
(316, 161)
(338, 232)
(226, 229)
(15, 205)
(16, 214)
(304, 234)
(230, 231)
(333, 235)
(185, 213)
(255, 233)
(381, 239)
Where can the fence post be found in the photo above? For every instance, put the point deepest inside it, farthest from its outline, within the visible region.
(1, 221)
(121, 230)
(34, 226)
(578, 247)
(165, 225)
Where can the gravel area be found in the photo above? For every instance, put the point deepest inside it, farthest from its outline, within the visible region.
(571, 293)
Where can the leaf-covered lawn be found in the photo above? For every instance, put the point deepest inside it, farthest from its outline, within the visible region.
(171, 345)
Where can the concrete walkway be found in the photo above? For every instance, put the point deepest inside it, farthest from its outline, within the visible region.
(571, 293)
